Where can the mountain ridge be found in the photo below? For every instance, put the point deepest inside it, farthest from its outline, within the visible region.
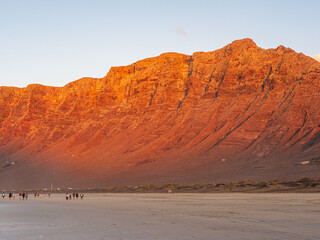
(237, 112)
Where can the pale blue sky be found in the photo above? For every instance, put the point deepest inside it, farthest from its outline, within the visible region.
(53, 42)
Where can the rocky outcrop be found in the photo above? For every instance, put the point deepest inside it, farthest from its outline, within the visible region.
(239, 112)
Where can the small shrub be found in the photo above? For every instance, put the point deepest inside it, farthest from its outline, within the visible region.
(263, 184)
(113, 188)
(230, 185)
(152, 186)
(195, 186)
(275, 182)
(171, 185)
(250, 182)
(305, 180)
(242, 183)
(220, 185)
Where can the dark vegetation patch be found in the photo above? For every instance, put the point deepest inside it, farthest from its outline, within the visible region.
(8, 165)
(315, 160)
(144, 162)
(248, 186)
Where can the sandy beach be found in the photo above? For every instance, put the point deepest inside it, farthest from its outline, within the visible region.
(163, 216)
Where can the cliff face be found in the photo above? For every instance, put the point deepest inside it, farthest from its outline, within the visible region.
(239, 112)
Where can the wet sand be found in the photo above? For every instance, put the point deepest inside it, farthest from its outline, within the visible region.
(155, 216)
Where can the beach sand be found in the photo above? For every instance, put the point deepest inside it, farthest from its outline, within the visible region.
(153, 216)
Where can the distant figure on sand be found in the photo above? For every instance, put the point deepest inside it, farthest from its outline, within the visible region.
(67, 196)
(3, 195)
(81, 195)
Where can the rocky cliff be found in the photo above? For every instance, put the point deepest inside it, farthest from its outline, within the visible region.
(240, 112)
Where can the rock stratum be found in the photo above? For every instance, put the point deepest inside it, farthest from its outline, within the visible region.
(240, 112)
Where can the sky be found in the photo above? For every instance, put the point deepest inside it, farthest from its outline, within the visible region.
(54, 42)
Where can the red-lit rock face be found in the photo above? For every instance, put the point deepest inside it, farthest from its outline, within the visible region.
(239, 112)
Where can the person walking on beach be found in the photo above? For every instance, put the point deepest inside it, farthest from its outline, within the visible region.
(3, 195)
(81, 195)
(23, 195)
(67, 196)
(77, 195)
(10, 195)
(74, 195)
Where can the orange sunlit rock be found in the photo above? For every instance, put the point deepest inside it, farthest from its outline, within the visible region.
(239, 112)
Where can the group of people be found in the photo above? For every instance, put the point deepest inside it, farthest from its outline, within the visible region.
(39, 195)
(24, 195)
(12, 195)
(74, 195)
